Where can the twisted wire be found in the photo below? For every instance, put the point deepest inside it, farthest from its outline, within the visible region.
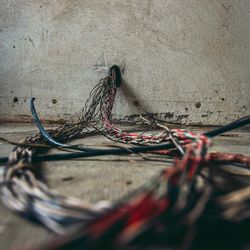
(167, 206)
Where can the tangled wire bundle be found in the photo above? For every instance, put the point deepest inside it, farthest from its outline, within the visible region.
(194, 204)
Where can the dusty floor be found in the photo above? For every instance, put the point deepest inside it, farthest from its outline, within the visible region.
(93, 179)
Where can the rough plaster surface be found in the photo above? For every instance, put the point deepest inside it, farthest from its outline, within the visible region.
(186, 60)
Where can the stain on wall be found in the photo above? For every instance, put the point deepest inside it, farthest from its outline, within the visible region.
(187, 61)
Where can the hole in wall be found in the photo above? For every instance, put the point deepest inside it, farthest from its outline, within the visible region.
(69, 178)
(54, 101)
(136, 103)
(197, 105)
(15, 99)
(129, 182)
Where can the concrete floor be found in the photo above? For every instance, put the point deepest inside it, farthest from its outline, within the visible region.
(93, 179)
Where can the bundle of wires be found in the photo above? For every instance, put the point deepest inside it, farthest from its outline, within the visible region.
(179, 208)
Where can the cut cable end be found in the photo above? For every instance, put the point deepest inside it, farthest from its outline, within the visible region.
(116, 75)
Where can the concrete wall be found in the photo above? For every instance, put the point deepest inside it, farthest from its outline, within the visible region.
(188, 60)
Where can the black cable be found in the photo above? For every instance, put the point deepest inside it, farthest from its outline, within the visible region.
(44, 133)
(46, 136)
(101, 152)
(138, 149)
(233, 125)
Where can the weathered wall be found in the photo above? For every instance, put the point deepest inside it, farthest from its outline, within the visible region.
(186, 59)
